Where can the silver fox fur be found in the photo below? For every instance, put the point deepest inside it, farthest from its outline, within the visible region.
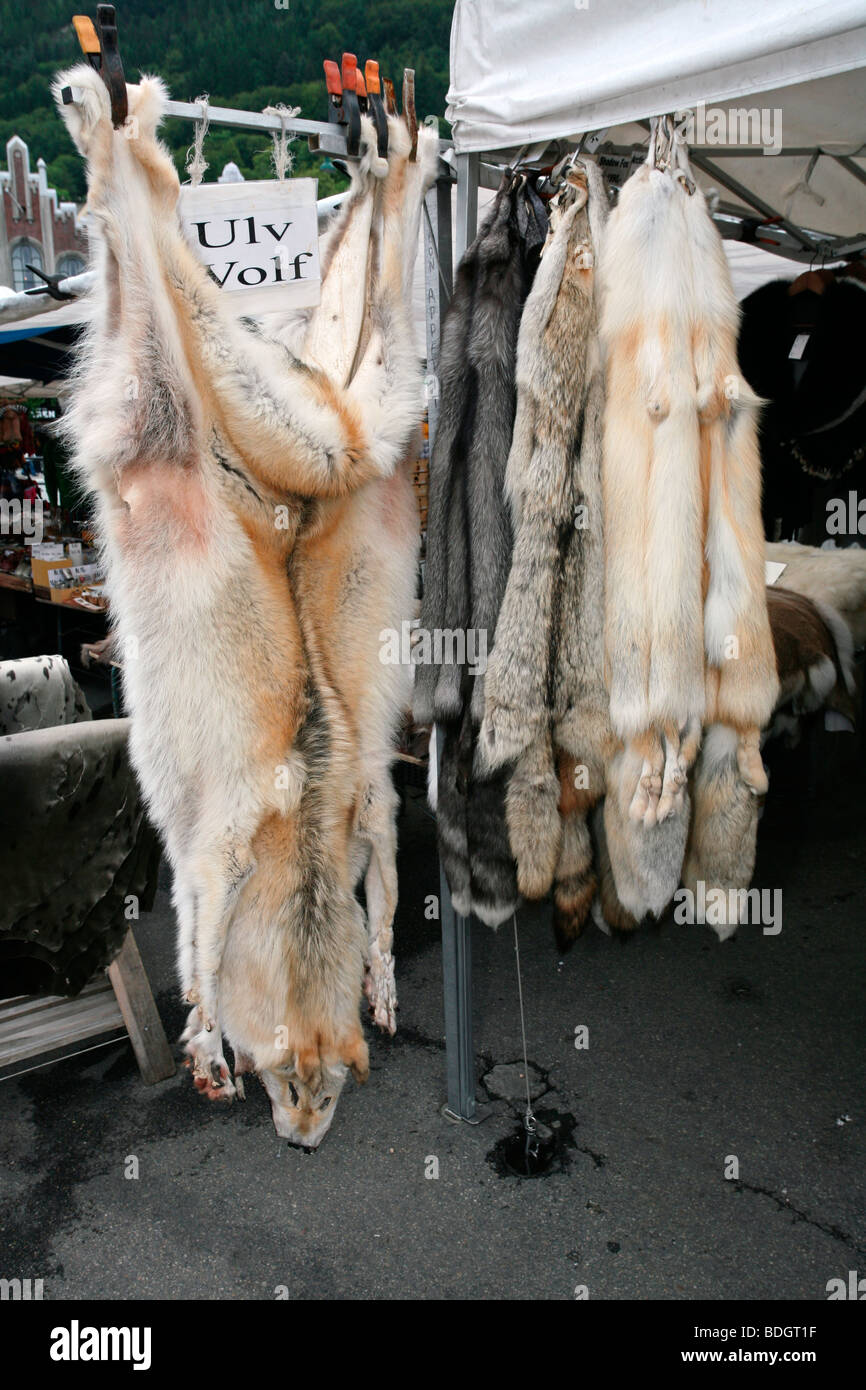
(469, 541)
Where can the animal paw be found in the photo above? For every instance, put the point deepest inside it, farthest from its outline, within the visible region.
(210, 1070)
(644, 804)
(92, 109)
(751, 765)
(673, 785)
(380, 988)
(673, 794)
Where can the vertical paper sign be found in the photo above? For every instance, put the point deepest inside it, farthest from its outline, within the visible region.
(259, 240)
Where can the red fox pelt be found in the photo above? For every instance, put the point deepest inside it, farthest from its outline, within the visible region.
(686, 635)
(190, 430)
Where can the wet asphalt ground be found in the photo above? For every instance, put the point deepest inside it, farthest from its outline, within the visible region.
(699, 1053)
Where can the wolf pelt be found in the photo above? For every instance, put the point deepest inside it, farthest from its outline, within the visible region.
(686, 631)
(545, 699)
(469, 541)
(189, 430)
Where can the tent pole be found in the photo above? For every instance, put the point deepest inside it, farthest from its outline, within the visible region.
(456, 930)
(457, 991)
(740, 191)
(467, 202)
(848, 164)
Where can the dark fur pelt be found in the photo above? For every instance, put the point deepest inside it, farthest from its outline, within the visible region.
(814, 423)
(469, 538)
(545, 698)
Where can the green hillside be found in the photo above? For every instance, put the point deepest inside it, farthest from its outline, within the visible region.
(245, 53)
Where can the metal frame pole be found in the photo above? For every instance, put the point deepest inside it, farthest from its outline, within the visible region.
(467, 202)
(456, 930)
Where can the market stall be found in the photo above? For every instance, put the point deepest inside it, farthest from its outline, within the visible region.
(786, 165)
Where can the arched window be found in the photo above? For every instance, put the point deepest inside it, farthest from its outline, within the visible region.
(24, 254)
(69, 264)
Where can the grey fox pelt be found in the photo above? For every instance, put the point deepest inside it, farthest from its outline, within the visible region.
(545, 700)
(190, 430)
(687, 639)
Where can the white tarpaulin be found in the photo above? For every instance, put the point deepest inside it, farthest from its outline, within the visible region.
(526, 74)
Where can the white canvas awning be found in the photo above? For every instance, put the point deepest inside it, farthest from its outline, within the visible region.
(531, 74)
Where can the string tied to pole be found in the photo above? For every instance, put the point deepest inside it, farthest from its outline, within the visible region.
(196, 164)
(529, 1121)
(281, 154)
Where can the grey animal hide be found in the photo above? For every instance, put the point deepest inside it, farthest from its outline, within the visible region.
(545, 700)
(469, 539)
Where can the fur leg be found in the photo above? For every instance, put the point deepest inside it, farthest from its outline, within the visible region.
(750, 762)
(380, 889)
(723, 833)
(576, 883)
(534, 824)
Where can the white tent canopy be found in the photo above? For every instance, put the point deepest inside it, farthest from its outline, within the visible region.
(531, 74)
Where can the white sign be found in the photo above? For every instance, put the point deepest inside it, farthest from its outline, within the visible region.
(70, 576)
(259, 240)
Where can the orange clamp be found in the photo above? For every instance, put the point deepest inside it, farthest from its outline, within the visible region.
(350, 65)
(332, 78)
(86, 33)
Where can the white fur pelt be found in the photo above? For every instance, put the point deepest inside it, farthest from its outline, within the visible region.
(687, 640)
(836, 578)
(190, 430)
(545, 699)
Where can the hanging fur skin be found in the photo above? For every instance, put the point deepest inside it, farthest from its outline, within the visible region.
(545, 699)
(355, 565)
(189, 429)
(836, 578)
(469, 541)
(686, 632)
(813, 654)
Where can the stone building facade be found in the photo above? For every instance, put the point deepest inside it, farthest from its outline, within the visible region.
(35, 229)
